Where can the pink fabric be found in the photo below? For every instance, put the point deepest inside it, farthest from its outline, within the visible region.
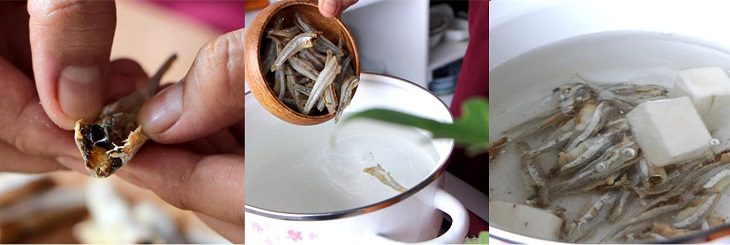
(474, 75)
(473, 81)
(224, 16)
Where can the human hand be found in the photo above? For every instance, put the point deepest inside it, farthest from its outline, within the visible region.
(199, 167)
(332, 8)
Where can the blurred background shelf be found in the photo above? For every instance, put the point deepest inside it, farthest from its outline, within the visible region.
(445, 53)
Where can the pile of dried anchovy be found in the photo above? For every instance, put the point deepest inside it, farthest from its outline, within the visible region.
(309, 71)
(596, 154)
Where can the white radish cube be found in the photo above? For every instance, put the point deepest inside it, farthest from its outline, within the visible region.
(669, 131)
(709, 90)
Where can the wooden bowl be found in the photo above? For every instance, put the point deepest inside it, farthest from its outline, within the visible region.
(332, 28)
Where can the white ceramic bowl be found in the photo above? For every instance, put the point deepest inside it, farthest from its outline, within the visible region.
(275, 209)
(537, 45)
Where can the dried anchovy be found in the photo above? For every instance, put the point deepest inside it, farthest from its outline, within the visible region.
(347, 89)
(329, 98)
(331, 69)
(321, 75)
(300, 88)
(308, 55)
(302, 24)
(110, 142)
(286, 33)
(588, 221)
(297, 43)
(384, 177)
(304, 68)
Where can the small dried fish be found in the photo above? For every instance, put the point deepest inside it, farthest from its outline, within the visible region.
(300, 88)
(270, 56)
(634, 94)
(279, 82)
(647, 215)
(593, 125)
(320, 105)
(553, 142)
(303, 67)
(302, 24)
(618, 208)
(716, 180)
(329, 98)
(534, 179)
(109, 143)
(593, 151)
(572, 96)
(346, 92)
(297, 43)
(672, 179)
(384, 177)
(652, 175)
(318, 79)
(714, 220)
(692, 216)
(308, 55)
(323, 44)
(346, 69)
(290, 84)
(587, 222)
(496, 146)
(285, 33)
(614, 159)
(667, 230)
(626, 232)
(322, 82)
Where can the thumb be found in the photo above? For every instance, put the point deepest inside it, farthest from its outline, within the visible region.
(70, 42)
(208, 99)
(332, 8)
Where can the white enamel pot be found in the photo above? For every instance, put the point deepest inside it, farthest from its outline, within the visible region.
(538, 45)
(411, 216)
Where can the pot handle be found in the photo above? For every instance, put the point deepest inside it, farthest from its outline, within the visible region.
(459, 221)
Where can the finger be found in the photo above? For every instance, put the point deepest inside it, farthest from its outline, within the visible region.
(24, 123)
(238, 130)
(329, 8)
(212, 184)
(71, 42)
(209, 99)
(234, 233)
(218, 143)
(125, 76)
(12, 160)
(332, 8)
(347, 4)
(201, 146)
(73, 163)
(224, 142)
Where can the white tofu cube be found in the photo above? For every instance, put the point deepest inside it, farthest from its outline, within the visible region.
(669, 131)
(709, 90)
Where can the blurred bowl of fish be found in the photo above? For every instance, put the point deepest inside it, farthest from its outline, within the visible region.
(304, 68)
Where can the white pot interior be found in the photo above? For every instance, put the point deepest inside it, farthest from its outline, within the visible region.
(296, 169)
(534, 48)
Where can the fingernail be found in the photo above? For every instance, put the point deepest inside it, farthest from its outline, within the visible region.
(79, 91)
(164, 110)
(330, 7)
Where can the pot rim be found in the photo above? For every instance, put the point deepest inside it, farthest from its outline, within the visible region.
(369, 208)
